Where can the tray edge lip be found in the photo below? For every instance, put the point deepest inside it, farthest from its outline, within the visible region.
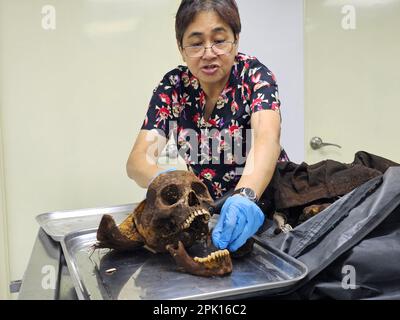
(42, 218)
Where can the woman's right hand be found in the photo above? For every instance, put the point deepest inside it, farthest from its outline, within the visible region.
(142, 162)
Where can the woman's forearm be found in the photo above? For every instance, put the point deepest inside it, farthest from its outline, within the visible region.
(260, 165)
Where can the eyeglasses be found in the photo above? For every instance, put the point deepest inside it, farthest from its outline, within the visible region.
(218, 48)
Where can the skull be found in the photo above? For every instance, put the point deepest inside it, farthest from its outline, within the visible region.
(177, 209)
(174, 216)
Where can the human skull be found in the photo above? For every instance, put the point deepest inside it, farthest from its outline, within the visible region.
(176, 209)
(174, 215)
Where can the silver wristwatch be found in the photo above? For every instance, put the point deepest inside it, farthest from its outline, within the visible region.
(247, 193)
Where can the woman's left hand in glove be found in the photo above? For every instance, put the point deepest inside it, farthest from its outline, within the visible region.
(239, 220)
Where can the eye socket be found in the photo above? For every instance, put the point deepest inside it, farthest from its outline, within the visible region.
(170, 194)
(199, 188)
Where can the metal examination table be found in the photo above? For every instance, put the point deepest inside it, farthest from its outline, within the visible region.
(62, 268)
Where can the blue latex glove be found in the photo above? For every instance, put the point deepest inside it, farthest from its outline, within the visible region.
(160, 172)
(239, 220)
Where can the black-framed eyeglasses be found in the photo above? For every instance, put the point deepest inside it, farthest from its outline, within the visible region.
(219, 48)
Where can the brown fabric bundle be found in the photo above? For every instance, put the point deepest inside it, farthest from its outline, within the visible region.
(295, 185)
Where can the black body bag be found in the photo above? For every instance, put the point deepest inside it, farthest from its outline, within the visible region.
(352, 248)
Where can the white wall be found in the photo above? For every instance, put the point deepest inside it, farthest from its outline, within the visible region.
(352, 79)
(4, 255)
(72, 101)
(4, 263)
(273, 32)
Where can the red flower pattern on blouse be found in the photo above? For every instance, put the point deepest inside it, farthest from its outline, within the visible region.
(180, 99)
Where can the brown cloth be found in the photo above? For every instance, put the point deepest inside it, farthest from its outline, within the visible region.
(295, 185)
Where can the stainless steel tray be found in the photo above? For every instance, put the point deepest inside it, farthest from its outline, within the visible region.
(142, 275)
(58, 224)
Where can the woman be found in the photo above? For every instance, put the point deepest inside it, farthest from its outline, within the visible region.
(210, 106)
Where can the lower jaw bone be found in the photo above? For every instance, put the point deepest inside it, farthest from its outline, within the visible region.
(215, 265)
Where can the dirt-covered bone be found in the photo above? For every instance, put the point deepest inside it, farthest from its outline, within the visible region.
(174, 216)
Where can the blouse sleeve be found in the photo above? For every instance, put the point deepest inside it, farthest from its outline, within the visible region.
(263, 89)
(164, 104)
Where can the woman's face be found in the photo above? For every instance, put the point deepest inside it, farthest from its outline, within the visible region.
(206, 29)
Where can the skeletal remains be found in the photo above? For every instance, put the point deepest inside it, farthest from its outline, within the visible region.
(174, 216)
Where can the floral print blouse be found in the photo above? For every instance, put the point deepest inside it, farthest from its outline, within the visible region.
(216, 149)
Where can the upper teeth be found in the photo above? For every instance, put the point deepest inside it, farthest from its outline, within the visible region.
(199, 212)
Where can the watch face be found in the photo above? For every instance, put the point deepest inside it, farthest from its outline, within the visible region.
(249, 193)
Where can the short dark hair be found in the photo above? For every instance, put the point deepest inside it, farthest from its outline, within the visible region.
(226, 9)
